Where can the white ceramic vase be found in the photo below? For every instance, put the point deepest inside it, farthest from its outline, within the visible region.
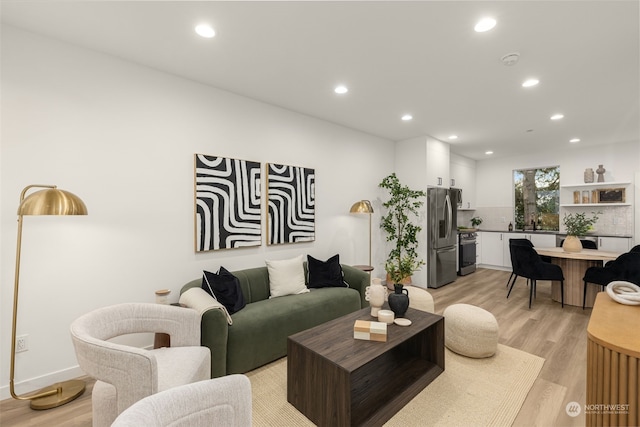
(375, 294)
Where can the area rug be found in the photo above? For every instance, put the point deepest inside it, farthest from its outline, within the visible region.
(477, 392)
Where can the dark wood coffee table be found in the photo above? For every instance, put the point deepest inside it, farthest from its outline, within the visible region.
(336, 380)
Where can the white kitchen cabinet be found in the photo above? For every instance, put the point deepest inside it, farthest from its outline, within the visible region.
(614, 244)
(506, 252)
(437, 163)
(542, 240)
(492, 249)
(478, 248)
(462, 174)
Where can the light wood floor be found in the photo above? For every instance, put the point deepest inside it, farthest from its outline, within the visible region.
(547, 330)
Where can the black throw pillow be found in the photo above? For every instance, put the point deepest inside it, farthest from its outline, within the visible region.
(224, 287)
(325, 274)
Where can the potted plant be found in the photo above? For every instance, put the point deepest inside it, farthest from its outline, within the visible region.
(576, 226)
(476, 221)
(402, 207)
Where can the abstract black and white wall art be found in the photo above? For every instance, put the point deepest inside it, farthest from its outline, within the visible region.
(291, 196)
(228, 199)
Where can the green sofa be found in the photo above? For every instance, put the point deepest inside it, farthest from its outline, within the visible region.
(260, 330)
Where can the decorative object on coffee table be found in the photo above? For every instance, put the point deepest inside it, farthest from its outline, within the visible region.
(399, 301)
(588, 175)
(375, 293)
(600, 171)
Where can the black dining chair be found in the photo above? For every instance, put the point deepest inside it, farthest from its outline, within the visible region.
(626, 267)
(514, 268)
(586, 244)
(528, 264)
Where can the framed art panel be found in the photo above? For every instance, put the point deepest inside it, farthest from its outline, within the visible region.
(610, 195)
(291, 204)
(228, 198)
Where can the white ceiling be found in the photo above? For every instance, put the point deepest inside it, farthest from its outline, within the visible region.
(420, 57)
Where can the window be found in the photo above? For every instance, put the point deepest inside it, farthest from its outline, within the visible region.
(537, 198)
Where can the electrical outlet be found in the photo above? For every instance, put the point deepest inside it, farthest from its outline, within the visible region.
(22, 343)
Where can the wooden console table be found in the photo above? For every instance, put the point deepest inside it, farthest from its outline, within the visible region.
(613, 364)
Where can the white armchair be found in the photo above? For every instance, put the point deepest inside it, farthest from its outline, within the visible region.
(224, 401)
(128, 374)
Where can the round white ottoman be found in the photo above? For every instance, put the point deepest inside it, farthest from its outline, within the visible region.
(420, 299)
(470, 331)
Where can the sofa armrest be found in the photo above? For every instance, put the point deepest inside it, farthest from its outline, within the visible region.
(357, 279)
(214, 335)
(214, 331)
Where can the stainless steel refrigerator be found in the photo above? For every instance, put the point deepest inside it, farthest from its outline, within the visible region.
(442, 236)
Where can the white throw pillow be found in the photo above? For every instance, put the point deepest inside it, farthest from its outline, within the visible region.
(286, 277)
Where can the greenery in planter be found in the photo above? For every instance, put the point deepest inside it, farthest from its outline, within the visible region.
(578, 224)
(476, 221)
(403, 259)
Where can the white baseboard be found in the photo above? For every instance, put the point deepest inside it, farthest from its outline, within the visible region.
(33, 384)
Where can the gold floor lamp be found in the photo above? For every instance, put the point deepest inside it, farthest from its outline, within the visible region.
(364, 207)
(43, 202)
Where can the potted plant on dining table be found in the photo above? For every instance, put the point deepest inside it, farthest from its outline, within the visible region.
(577, 225)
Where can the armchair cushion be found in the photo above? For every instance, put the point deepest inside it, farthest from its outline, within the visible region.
(224, 401)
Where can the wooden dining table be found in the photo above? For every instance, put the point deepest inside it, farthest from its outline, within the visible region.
(574, 265)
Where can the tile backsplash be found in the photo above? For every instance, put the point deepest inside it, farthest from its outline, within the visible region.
(615, 220)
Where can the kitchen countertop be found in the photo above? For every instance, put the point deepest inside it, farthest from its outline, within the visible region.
(552, 232)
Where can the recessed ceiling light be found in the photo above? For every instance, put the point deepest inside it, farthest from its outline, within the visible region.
(488, 152)
(453, 137)
(557, 116)
(205, 30)
(485, 24)
(340, 90)
(407, 117)
(530, 82)
(574, 140)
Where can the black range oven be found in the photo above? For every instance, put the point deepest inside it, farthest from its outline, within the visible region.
(466, 253)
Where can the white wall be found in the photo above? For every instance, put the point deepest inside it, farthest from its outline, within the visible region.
(495, 182)
(123, 137)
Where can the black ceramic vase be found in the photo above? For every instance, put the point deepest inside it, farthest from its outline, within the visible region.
(399, 301)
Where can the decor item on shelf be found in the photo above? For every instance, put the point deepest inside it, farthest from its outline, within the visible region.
(404, 202)
(611, 195)
(375, 293)
(399, 301)
(585, 197)
(576, 197)
(600, 171)
(577, 225)
(588, 175)
(51, 201)
(476, 221)
(227, 203)
(291, 198)
(364, 207)
(162, 296)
